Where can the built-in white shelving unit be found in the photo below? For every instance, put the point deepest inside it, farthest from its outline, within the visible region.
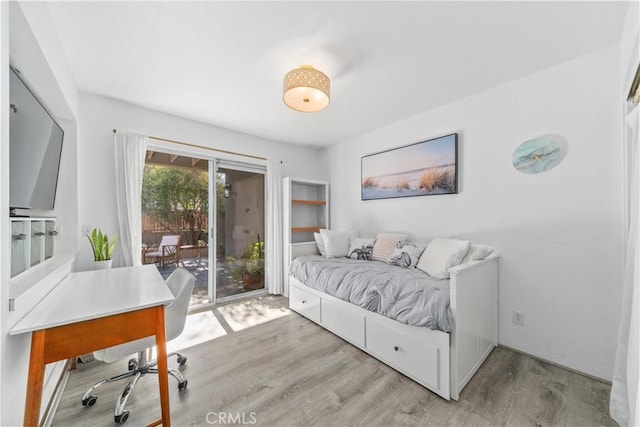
(306, 210)
(32, 242)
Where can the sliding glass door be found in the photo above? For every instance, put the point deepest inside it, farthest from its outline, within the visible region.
(175, 217)
(205, 215)
(239, 230)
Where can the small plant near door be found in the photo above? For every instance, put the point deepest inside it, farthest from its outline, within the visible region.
(253, 272)
(236, 268)
(102, 248)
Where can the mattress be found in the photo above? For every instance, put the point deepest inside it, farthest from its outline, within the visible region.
(407, 295)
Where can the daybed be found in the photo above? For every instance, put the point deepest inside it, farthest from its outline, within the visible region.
(443, 362)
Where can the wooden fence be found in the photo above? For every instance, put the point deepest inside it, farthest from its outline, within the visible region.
(153, 230)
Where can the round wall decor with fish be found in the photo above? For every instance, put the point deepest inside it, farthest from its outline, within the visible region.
(537, 155)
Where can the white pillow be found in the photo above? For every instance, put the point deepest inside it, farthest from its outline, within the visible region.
(406, 254)
(319, 243)
(477, 252)
(336, 243)
(385, 244)
(442, 254)
(361, 248)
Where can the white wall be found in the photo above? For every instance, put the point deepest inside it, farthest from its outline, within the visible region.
(48, 68)
(22, 46)
(42, 69)
(98, 116)
(559, 233)
(5, 266)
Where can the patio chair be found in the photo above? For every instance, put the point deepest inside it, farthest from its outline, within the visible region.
(166, 252)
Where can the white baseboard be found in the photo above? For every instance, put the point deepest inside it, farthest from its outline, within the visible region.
(575, 371)
(56, 394)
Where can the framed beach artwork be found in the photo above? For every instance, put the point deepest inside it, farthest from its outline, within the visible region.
(426, 168)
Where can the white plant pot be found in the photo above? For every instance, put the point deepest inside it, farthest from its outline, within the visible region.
(102, 265)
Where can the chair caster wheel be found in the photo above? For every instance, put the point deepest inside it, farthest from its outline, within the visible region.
(89, 400)
(181, 360)
(122, 418)
(182, 385)
(133, 364)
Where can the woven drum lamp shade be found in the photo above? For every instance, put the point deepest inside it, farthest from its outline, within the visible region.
(306, 89)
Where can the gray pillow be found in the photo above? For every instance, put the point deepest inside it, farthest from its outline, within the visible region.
(319, 243)
(336, 243)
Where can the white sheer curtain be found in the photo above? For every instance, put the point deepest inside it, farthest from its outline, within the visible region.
(624, 390)
(275, 282)
(130, 151)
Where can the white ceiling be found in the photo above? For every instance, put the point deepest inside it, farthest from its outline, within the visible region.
(223, 62)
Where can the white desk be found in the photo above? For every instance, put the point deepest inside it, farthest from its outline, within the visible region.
(92, 310)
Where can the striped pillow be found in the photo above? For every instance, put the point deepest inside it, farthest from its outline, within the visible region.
(385, 244)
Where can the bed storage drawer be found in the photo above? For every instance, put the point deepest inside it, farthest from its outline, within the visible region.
(405, 350)
(304, 303)
(343, 322)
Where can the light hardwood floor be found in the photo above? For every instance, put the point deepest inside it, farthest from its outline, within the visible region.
(291, 372)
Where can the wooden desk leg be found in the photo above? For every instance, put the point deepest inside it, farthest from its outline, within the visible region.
(35, 380)
(163, 371)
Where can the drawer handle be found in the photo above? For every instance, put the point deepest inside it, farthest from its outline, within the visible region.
(38, 234)
(20, 236)
(396, 348)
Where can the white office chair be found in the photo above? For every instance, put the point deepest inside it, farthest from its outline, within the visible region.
(181, 283)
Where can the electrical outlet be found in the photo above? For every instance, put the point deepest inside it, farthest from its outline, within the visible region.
(518, 318)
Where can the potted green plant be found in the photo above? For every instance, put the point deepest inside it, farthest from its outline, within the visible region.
(102, 248)
(253, 271)
(235, 267)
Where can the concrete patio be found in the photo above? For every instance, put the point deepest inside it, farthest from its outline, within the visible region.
(226, 285)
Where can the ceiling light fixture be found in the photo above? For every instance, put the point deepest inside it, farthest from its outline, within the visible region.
(306, 89)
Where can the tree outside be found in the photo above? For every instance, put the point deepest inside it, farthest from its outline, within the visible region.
(177, 199)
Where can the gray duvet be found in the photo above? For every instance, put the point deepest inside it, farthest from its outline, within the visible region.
(407, 295)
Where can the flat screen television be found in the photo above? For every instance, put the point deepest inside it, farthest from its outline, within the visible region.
(35, 147)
